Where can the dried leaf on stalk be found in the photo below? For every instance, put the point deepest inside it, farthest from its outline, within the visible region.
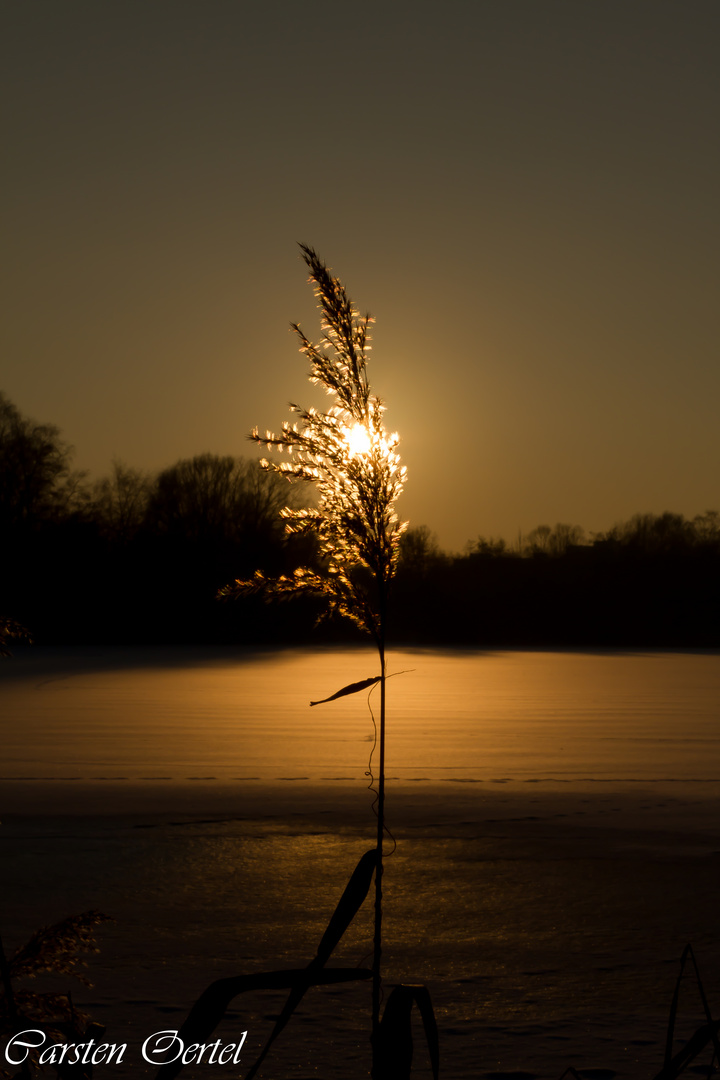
(395, 1045)
(211, 1006)
(349, 904)
(351, 688)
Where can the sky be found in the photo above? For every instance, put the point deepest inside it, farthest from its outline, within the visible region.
(524, 193)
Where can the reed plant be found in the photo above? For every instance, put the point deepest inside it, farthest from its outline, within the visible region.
(9, 631)
(351, 461)
(52, 950)
(708, 1034)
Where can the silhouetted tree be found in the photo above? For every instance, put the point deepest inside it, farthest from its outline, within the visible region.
(206, 517)
(419, 550)
(36, 482)
(565, 537)
(119, 502)
(555, 542)
(487, 547)
(707, 528)
(652, 534)
(211, 497)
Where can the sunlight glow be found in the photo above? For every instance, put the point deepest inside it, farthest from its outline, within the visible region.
(358, 440)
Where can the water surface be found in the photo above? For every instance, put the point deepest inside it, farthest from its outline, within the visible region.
(557, 817)
(452, 716)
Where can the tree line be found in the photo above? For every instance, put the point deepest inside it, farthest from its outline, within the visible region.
(651, 581)
(133, 557)
(138, 558)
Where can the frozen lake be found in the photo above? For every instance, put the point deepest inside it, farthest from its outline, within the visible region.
(115, 715)
(557, 817)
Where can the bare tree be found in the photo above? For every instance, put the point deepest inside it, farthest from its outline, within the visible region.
(419, 550)
(36, 480)
(209, 497)
(546, 541)
(119, 501)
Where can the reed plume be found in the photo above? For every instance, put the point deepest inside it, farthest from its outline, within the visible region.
(352, 461)
(347, 455)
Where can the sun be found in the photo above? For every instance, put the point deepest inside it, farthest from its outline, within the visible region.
(358, 440)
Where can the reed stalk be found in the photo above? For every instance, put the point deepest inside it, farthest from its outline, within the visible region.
(351, 460)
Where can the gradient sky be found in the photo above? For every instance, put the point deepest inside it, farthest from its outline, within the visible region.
(524, 193)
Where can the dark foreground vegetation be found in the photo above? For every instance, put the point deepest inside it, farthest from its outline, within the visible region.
(138, 559)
